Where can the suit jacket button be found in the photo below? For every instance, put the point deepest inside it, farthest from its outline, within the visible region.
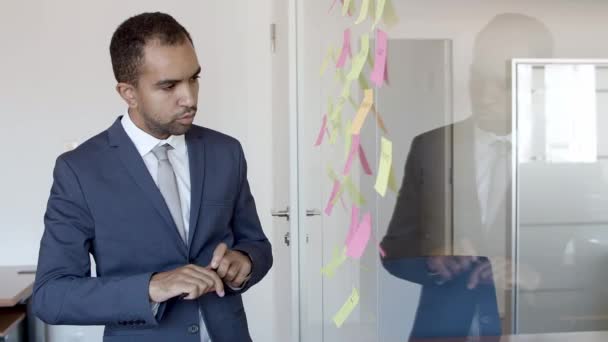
(193, 329)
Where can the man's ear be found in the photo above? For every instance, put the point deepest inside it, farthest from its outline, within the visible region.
(127, 92)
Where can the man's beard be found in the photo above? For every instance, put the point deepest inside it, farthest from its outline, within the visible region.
(170, 128)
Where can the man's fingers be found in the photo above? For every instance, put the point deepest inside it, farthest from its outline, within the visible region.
(206, 274)
(478, 275)
(438, 266)
(233, 271)
(223, 269)
(218, 255)
(243, 273)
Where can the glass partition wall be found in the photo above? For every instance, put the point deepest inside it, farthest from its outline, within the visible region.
(450, 160)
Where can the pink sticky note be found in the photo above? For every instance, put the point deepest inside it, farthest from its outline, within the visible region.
(346, 49)
(379, 73)
(322, 131)
(330, 203)
(364, 162)
(360, 238)
(354, 147)
(382, 252)
(354, 224)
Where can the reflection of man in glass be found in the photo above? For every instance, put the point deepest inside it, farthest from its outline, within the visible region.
(450, 230)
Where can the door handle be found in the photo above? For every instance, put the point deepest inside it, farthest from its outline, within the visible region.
(313, 212)
(281, 213)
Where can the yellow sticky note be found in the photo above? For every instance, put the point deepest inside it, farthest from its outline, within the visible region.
(338, 195)
(338, 259)
(359, 61)
(380, 4)
(340, 77)
(345, 6)
(390, 14)
(354, 194)
(346, 90)
(364, 12)
(331, 173)
(366, 105)
(346, 309)
(347, 138)
(329, 56)
(363, 82)
(384, 170)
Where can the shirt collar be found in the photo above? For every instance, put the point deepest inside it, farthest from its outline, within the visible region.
(144, 142)
(486, 137)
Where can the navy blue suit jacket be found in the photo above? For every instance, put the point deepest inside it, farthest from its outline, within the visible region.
(104, 202)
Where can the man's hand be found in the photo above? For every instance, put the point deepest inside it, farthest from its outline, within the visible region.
(232, 266)
(499, 271)
(448, 267)
(191, 281)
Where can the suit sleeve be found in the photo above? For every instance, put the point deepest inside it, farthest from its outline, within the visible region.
(249, 237)
(64, 291)
(401, 244)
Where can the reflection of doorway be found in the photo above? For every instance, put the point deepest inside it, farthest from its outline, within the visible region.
(562, 193)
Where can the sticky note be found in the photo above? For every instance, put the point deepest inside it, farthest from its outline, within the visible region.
(346, 6)
(382, 252)
(340, 77)
(366, 105)
(345, 94)
(346, 49)
(390, 14)
(364, 12)
(331, 173)
(360, 238)
(364, 162)
(354, 148)
(384, 169)
(379, 72)
(354, 224)
(349, 306)
(347, 138)
(380, 4)
(359, 61)
(329, 56)
(322, 131)
(338, 259)
(363, 83)
(354, 193)
(332, 198)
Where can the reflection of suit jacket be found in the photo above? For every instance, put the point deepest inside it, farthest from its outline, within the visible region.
(439, 196)
(104, 202)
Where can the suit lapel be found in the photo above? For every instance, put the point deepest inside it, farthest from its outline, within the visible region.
(136, 168)
(196, 159)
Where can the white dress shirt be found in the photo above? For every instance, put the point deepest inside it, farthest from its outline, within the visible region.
(178, 157)
(490, 166)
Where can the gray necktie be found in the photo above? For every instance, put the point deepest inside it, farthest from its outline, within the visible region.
(167, 184)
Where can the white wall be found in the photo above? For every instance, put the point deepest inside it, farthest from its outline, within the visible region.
(57, 87)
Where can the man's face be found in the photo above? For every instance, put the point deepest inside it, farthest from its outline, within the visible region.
(167, 89)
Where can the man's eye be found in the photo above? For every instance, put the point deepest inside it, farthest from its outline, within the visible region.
(195, 78)
(169, 87)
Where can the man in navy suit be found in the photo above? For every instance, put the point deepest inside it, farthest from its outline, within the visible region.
(162, 205)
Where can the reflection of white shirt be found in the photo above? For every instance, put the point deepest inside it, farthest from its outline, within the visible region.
(489, 157)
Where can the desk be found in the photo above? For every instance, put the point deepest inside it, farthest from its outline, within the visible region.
(16, 321)
(587, 336)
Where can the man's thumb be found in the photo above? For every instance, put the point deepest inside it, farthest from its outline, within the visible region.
(218, 255)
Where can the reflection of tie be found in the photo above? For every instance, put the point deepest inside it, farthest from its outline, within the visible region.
(500, 179)
(167, 184)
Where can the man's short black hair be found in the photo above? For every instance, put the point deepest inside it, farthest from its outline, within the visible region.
(129, 39)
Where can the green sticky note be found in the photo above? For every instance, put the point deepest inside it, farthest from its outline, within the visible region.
(364, 12)
(384, 170)
(354, 194)
(338, 259)
(380, 4)
(390, 14)
(346, 309)
(359, 61)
